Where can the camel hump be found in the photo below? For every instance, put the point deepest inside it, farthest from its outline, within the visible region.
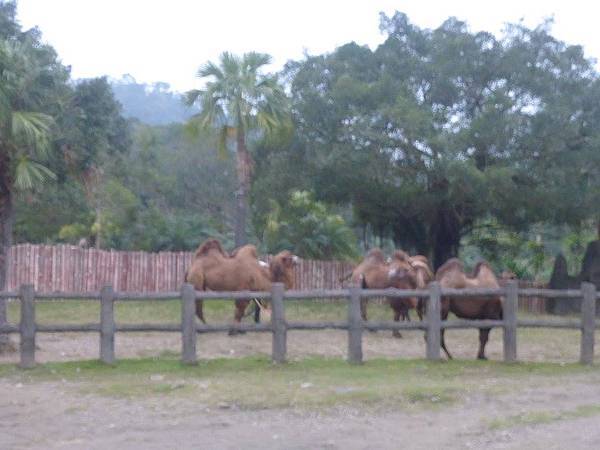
(245, 251)
(401, 255)
(207, 246)
(453, 264)
(479, 266)
(376, 254)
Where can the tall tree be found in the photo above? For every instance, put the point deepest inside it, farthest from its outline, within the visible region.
(238, 100)
(439, 129)
(99, 133)
(31, 82)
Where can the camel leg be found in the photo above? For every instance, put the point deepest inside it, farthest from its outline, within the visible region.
(256, 313)
(442, 332)
(484, 334)
(396, 333)
(420, 308)
(240, 308)
(363, 311)
(199, 311)
(443, 344)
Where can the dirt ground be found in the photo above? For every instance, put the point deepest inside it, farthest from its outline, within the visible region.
(49, 414)
(533, 345)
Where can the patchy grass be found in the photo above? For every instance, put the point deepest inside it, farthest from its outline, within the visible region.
(160, 311)
(542, 417)
(254, 382)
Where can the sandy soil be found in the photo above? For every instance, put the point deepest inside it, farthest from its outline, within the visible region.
(50, 415)
(554, 346)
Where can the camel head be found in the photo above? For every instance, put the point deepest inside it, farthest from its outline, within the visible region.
(401, 274)
(282, 268)
(508, 275)
(210, 246)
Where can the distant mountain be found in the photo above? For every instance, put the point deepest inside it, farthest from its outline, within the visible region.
(154, 104)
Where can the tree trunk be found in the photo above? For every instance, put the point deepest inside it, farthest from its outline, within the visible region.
(445, 238)
(244, 173)
(6, 227)
(98, 243)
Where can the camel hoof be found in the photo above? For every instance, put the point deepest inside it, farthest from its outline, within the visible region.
(397, 334)
(372, 330)
(482, 357)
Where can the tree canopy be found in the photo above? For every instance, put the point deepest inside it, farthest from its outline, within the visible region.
(237, 100)
(437, 141)
(437, 130)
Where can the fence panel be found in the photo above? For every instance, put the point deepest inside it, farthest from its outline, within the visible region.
(68, 268)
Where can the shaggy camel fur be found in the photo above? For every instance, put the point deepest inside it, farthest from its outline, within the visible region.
(402, 272)
(213, 269)
(452, 275)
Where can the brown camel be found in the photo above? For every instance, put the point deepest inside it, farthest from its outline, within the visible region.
(371, 273)
(374, 272)
(213, 269)
(408, 272)
(452, 275)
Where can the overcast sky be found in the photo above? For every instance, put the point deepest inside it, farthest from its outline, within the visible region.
(168, 40)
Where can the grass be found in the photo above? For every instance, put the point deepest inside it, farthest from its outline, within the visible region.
(255, 383)
(542, 417)
(149, 311)
(533, 344)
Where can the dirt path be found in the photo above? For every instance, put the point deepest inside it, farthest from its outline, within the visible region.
(50, 415)
(552, 346)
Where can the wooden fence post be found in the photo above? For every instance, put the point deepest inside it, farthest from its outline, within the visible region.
(27, 327)
(188, 324)
(509, 313)
(107, 325)
(434, 321)
(588, 322)
(278, 323)
(355, 355)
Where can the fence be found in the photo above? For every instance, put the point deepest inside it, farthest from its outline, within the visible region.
(432, 325)
(67, 268)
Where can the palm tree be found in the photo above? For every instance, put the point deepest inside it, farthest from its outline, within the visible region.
(237, 100)
(24, 140)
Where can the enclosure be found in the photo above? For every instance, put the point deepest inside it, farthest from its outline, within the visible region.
(279, 326)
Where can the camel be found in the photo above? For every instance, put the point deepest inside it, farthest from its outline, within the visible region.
(371, 273)
(452, 275)
(401, 271)
(408, 272)
(213, 269)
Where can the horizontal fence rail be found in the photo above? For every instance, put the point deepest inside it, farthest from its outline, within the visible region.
(354, 325)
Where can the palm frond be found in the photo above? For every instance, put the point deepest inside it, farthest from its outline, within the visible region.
(210, 69)
(33, 129)
(254, 60)
(231, 65)
(30, 174)
(192, 96)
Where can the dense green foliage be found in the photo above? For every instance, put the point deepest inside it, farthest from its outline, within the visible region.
(438, 130)
(33, 87)
(308, 229)
(438, 140)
